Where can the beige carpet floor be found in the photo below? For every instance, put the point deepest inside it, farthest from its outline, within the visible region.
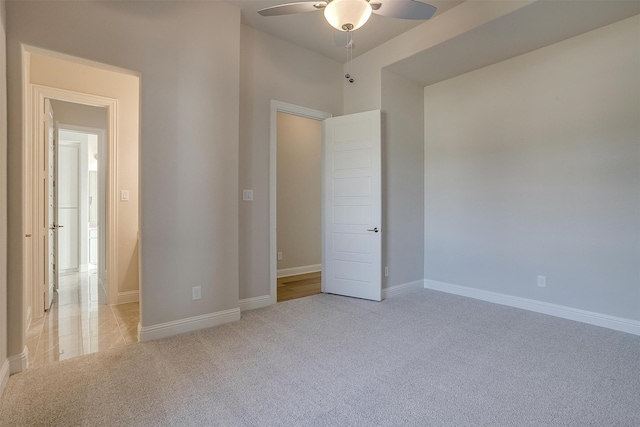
(419, 359)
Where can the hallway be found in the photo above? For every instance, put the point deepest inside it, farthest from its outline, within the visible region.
(79, 322)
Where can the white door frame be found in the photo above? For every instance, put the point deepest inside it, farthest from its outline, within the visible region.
(33, 104)
(280, 107)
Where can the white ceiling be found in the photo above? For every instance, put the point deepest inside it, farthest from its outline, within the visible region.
(311, 31)
(533, 26)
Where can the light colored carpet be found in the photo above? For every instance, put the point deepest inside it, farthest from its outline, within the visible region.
(423, 358)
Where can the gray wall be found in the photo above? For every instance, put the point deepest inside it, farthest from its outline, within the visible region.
(403, 179)
(3, 195)
(272, 69)
(299, 188)
(532, 167)
(188, 55)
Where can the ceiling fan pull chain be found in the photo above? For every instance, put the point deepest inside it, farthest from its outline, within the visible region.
(349, 47)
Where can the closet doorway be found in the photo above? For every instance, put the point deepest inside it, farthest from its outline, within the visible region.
(298, 201)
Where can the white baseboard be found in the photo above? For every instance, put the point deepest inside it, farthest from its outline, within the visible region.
(284, 272)
(19, 362)
(255, 302)
(392, 291)
(162, 330)
(129, 296)
(592, 318)
(4, 375)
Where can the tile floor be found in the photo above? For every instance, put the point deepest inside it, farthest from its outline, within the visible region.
(79, 322)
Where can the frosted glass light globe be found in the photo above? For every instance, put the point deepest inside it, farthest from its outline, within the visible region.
(347, 15)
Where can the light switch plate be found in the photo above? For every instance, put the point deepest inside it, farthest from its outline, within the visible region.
(247, 195)
(542, 281)
(124, 195)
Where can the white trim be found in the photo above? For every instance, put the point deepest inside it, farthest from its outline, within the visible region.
(255, 302)
(129, 296)
(19, 362)
(162, 330)
(403, 288)
(29, 285)
(4, 375)
(293, 271)
(278, 106)
(592, 318)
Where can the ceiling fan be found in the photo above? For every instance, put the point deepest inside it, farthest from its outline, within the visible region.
(349, 15)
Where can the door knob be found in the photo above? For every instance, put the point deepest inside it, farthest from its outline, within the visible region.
(375, 229)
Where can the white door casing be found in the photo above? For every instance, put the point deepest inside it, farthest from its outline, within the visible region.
(352, 204)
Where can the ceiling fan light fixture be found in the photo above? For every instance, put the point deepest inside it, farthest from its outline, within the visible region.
(347, 15)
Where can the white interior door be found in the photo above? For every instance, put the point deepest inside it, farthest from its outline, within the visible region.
(352, 203)
(51, 206)
(68, 201)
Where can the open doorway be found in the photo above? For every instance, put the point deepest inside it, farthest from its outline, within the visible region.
(81, 205)
(299, 194)
(81, 136)
(296, 192)
(351, 196)
(77, 318)
(94, 304)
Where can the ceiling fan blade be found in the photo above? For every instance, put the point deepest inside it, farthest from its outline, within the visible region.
(291, 8)
(404, 9)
